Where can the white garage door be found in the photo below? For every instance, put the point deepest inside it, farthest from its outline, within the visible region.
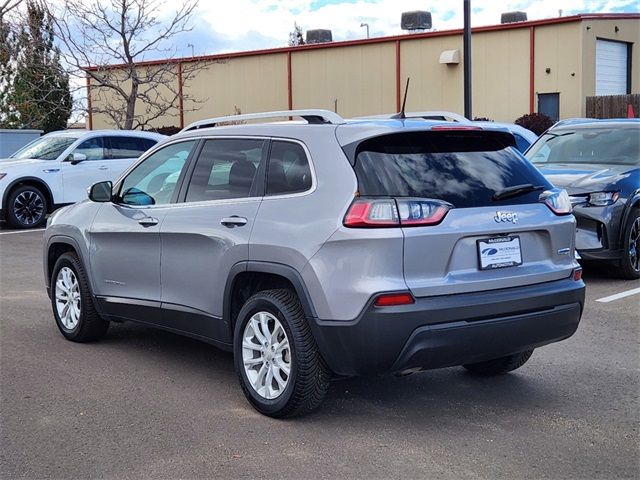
(611, 68)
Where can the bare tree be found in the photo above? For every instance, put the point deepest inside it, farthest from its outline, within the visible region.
(110, 41)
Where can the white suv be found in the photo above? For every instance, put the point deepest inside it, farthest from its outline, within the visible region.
(57, 168)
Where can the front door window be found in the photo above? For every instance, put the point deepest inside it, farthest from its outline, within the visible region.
(154, 180)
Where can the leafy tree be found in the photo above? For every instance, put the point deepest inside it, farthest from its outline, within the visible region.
(296, 37)
(37, 94)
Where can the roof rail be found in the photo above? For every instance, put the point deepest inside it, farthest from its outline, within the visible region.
(315, 117)
(427, 115)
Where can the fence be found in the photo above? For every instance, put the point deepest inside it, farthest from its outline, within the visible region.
(612, 106)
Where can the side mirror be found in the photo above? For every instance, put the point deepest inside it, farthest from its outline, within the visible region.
(101, 192)
(76, 158)
(135, 196)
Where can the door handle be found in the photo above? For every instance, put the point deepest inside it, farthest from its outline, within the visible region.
(103, 167)
(148, 221)
(233, 221)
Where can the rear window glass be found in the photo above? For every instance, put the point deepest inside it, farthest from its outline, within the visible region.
(462, 168)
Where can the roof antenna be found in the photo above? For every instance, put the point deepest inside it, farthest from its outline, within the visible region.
(400, 115)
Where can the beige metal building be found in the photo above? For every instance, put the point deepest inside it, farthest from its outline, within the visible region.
(545, 65)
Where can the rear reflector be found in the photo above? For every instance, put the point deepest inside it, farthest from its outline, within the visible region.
(577, 274)
(393, 299)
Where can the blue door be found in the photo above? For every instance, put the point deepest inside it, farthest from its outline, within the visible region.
(549, 104)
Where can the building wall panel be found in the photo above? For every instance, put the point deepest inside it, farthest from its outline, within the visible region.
(559, 49)
(360, 78)
(252, 84)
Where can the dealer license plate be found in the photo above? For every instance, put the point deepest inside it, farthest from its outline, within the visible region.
(499, 252)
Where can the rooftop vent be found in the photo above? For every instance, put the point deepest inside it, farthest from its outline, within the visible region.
(416, 20)
(513, 17)
(319, 36)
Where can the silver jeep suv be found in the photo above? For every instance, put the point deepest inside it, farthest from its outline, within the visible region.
(325, 248)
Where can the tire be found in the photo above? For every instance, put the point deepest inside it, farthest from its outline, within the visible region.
(307, 382)
(86, 325)
(630, 262)
(27, 207)
(499, 366)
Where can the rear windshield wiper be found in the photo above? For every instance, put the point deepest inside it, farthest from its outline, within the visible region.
(516, 190)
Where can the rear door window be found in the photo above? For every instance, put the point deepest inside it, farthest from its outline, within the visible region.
(225, 169)
(128, 147)
(462, 168)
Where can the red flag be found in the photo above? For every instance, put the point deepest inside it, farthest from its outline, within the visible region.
(630, 112)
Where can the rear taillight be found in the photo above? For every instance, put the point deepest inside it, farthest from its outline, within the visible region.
(557, 200)
(390, 212)
(417, 211)
(366, 212)
(394, 299)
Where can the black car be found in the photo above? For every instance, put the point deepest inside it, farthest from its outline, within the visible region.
(598, 163)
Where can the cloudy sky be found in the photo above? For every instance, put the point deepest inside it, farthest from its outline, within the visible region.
(234, 25)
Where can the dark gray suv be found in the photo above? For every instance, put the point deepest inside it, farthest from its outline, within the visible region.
(598, 162)
(325, 248)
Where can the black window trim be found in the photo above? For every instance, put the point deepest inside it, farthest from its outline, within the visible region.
(257, 188)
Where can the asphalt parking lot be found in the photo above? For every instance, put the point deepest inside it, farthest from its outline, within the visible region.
(144, 403)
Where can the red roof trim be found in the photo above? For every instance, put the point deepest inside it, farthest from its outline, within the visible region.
(367, 41)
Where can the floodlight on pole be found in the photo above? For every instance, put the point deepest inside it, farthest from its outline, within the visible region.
(365, 25)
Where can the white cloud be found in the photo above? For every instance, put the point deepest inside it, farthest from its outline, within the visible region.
(270, 21)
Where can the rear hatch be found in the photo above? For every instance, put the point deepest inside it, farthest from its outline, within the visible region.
(472, 210)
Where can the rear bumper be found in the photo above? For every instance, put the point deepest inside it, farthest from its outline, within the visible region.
(451, 330)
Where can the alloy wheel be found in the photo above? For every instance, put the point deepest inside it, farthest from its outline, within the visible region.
(634, 245)
(67, 292)
(28, 207)
(266, 355)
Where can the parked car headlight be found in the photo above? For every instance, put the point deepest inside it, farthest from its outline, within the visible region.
(603, 199)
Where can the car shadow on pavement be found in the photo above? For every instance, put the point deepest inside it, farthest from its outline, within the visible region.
(447, 392)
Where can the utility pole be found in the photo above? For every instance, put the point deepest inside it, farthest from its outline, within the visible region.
(467, 59)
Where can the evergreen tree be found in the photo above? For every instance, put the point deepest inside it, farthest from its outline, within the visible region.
(38, 94)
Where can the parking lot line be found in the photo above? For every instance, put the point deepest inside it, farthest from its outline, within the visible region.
(617, 296)
(22, 231)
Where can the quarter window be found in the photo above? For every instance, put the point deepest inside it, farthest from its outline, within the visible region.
(154, 180)
(226, 168)
(288, 170)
